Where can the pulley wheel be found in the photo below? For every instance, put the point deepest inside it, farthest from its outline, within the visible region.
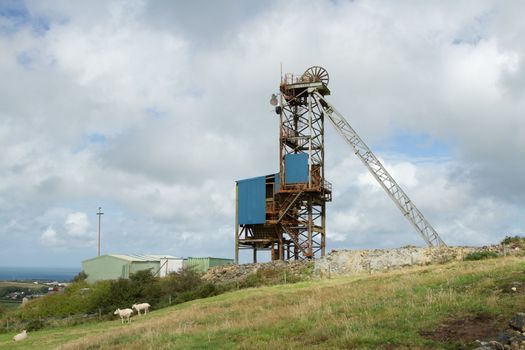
(316, 74)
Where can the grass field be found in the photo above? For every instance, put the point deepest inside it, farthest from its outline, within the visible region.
(13, 303)
(434, 307)
(29, 285)
(10, 303)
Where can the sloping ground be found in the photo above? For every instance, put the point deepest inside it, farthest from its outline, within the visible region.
(395, 310)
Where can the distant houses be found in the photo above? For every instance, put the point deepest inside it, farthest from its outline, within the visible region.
(114, 266)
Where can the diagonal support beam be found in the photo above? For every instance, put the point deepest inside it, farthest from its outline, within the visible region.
(295, 240)
(290, 205)
(394, 191)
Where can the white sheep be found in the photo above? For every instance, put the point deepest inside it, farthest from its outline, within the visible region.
(140, 307)
(124, 314)
(20, 336)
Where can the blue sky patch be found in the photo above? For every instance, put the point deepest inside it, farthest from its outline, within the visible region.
(24, 59)
(14, 16)
(96, 138)
(155, 113)
(414, 144)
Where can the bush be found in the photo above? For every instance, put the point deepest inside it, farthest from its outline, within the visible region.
(82, 302)
(186, 279)
(80, 277)
(513, 240)
(34, 325)
(481, 255)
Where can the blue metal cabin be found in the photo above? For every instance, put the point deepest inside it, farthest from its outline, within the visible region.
(296, 168)
(252, 200)
(256, 194)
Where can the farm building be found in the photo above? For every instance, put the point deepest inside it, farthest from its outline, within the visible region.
(114, 266)
(203, 264)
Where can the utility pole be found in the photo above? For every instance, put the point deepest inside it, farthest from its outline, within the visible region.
(99, 214)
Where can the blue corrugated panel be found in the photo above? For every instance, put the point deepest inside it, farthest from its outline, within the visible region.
(276, 185)
(296, 168)
(252, 200)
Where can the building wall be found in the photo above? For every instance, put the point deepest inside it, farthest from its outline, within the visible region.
(219, 261)
(170, 265)
(252, 200)
(104, 268)
(136, 266)
(296, 168)
(107, 267)
(203, 264)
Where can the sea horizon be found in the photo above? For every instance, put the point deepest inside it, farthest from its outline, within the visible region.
(37, 273)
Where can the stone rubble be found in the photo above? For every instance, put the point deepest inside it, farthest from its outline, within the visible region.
(348, 262)
(237, 273)
(510, 339)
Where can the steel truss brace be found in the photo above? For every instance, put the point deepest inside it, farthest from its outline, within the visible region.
(292, 202)
(409, 210)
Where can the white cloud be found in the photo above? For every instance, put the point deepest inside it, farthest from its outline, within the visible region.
(50, 238)
(153, 109)
(77, 224)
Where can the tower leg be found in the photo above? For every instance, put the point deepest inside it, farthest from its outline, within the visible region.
(281, 248)
(310, 229)
(323, 233)
(236, 224)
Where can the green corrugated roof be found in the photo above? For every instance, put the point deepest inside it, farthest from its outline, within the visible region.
(137, 257)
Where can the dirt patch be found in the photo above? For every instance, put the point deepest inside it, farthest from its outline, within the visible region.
(467, 329)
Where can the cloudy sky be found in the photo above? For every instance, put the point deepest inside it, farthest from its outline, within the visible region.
(152, 109)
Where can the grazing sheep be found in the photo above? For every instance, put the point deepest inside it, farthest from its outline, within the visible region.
(140, 307)
(24, 302)
(20, 336)
(124, 314)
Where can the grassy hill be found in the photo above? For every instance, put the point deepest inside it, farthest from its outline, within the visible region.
(434, 307)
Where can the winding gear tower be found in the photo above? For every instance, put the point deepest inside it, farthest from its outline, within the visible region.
(300, 202)
(286, 212)
(294, 223)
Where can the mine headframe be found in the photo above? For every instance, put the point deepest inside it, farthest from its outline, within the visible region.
(285, 212)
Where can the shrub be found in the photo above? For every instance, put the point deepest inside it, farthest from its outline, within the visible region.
(206, 290)
(80, 277)
(146, 287)
(35, 325)
(513, 240)
(82, 302)
(481, 255)
(186, 279)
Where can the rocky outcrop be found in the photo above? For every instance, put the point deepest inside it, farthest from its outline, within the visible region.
(518, 322)
(348, 262)
(291, 270)
(510, 339)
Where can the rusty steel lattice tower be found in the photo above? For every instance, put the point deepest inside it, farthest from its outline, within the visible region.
(286, 212)
(302, 205)
(294, 222)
